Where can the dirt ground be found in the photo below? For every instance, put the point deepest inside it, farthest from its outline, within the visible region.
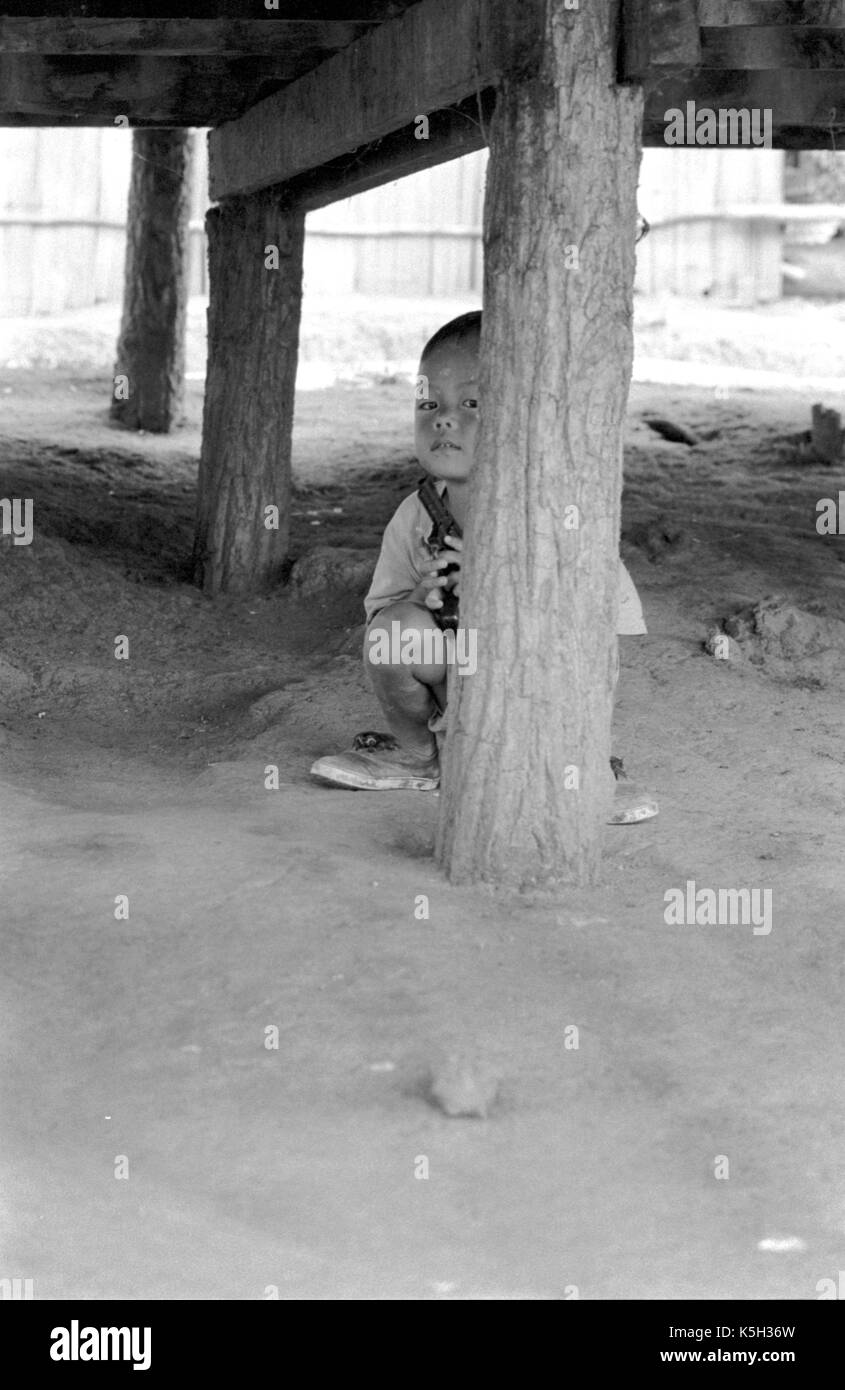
(294, 1169)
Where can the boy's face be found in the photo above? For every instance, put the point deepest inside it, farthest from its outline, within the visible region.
(446, 415)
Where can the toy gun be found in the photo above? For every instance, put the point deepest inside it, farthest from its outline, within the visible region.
(444, 525)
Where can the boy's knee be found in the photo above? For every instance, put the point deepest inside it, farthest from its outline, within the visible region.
(389, 641)
(410, 615)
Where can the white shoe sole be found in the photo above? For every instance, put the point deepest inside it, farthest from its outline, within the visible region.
(358, 782)
(646, 809)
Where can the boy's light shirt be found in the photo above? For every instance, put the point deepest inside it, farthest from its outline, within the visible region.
(396, 574)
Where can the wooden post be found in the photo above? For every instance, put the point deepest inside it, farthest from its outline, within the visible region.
(148, 388)
(255, 246)
(827, 434)
(527, 782)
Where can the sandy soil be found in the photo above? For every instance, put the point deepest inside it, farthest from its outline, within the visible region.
(295, 1168)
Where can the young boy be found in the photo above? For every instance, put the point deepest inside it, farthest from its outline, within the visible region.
(408, 587)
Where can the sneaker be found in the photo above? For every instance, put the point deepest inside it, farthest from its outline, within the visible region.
(369, 739)
(379, 770)
(631, 805)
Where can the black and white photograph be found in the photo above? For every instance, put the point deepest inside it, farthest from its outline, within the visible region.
(422, 662)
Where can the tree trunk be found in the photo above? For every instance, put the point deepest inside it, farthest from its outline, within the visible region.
(150, 370)
(527, 783)
(255, 249)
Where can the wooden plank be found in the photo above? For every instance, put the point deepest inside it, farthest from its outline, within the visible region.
(20, 187)
(635, 48)
(734, 273)
(808, 111)
(663, 32)
(829, 14)
(811, 101)
(289, 11)
(693, 269)
(329, 269)
(379, 84)
(17, 278)
(171, 37)
(768, 47)
(458, 131)
(747, 254)
(792, 136)
(146, 90)
(673, 33)
(453, 132)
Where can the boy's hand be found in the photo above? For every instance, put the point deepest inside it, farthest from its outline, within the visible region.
(429, 590)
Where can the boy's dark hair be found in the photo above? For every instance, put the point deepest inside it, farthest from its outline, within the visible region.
(458, 330)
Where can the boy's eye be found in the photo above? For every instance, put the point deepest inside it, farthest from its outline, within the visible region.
(427, 405)
(470, 401)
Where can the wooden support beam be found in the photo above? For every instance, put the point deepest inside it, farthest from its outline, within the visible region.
(789, 137)
(809, 104)
(635, 46)
(658, 33)
(541, 592)
(288, 11)
(827, 434)
(462, 129)
(802, 103)
(453, 131)
(673, 32)
(828, 14)
(794, 136)
(320, 105)
(147, 90)
(432, 56)
(253, 336)
(770, 47)
(150, 363)
(172, 37)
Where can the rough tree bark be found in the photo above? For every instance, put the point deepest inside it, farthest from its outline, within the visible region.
(150, 367)
(556, 363)
(255, 247)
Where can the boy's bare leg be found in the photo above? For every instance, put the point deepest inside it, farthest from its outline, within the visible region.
(408, 694)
